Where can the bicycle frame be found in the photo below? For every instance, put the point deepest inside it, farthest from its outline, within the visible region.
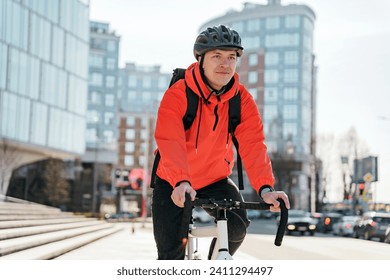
(219, 230)
(190, 234)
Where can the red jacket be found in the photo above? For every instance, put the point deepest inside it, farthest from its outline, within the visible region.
(203, 154)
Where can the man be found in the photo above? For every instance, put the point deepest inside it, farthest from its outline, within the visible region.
(200, 160)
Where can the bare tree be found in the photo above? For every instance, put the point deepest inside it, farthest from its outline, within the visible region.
(325, 146)
(337, 155)
(9, 160)
(56, 187)
(351, 147)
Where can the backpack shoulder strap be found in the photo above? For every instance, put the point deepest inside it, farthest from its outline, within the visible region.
(234, 112)
(192, 107)
(234, 120)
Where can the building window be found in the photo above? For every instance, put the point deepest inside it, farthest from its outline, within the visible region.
(129, 147)
(147, 82)
(131, 94)
(253, 59)
(142, 160)
(111, 64)
(109, 100)
(270, 94)
(291, 57)
(108, 136)
(292, 21)
(290, 76)
(290, 93)
(109, 118)
(252, 77)
(289, 130)
(290, 112)
(110, 81)
(96, 60)
(130, 121)
(253, 92)
(129, 160)
(96, 79)
(146, 96)
(270, 112)
(251, 42)
(132, 81)
(271, 76)
(94, 98)
(111, 46)
(253, 25)
(162, 83)
(92, 116)
(130, 134)
(271, 58)
(272, 23)
(282, 40)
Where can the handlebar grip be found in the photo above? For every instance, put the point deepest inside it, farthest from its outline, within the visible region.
(282, 224)
(186, 218)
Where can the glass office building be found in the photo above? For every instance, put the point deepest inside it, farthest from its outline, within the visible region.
(44, 48)
(278, 69)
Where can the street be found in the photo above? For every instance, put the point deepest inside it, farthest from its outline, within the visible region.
(259, 244)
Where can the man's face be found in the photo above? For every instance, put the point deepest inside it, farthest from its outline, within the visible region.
(219, 67)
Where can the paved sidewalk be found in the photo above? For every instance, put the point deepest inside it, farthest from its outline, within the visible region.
(133, 242)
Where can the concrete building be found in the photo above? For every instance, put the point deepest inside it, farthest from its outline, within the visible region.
(278, 68)
(43, 82)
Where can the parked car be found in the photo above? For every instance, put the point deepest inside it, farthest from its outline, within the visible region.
(253, 214)
(121, 216)
(372, 225)
(344, 227)
(316, 216)
(326, 222)
(200, 215)
(299, 221)
(387, 235)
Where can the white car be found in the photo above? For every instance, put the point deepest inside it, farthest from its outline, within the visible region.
(201, 216)
(344, 227)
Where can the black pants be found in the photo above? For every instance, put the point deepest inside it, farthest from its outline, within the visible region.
(167, 218)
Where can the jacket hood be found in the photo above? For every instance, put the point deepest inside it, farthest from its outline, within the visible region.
(194, 81)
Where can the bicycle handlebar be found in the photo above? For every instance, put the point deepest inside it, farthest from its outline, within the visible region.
(230, 204)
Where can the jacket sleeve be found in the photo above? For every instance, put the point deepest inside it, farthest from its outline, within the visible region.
(252, 148)
(170, 136)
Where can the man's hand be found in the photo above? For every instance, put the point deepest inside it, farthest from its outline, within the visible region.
(178, 193)
(271, 198)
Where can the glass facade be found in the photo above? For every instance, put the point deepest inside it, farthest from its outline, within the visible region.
(102, 121)
(44, 72)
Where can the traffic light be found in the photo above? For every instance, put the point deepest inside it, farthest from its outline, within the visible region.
(361, 188)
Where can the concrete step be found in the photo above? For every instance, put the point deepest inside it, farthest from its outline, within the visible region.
(40, 222)
(12, 217)
(13, 245)
(32, 230)
(58, 248)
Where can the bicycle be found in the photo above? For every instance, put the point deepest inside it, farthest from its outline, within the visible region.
(190, 234)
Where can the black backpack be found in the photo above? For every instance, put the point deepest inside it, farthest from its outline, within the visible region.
(192, 107)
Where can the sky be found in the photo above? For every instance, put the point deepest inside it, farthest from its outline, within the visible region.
(351, 45)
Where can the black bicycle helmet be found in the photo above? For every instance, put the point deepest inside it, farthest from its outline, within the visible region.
(217, 37)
